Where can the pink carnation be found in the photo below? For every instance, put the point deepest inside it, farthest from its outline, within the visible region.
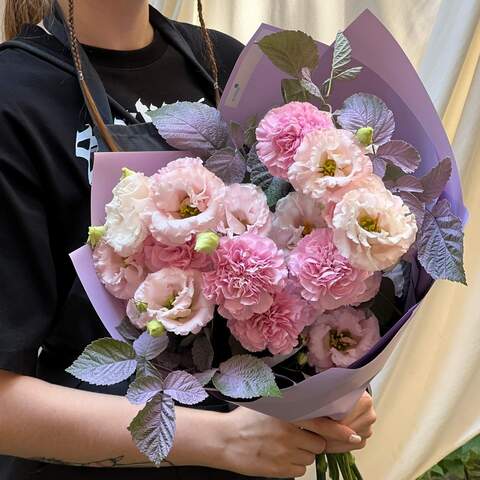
(277, 329)
(187, 198)
(248, 271)
(341, 337)
(281, 132)
(121, 276)
(158, 256)
(326, 277)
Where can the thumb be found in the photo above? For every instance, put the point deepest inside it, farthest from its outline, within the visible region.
(330, 430)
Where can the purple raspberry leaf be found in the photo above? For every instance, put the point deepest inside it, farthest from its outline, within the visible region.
(440, 244)
(142, 389)
(400, 154)
(349, 74)
(251, 131)
(184, 388)
(400, 277)
(293, 90)
(145, 368)
(379, 166)
(105, 362)
(434, 182)
(245, 376)
(237, 135)
(228, 164)
(202, 353)
(195, 127)
(205, 377)
(150, 347)
(127, 330)
(153, 429)
(416, 206)
(366, 110)
(290, 51)
(342, 53)
(405, 183)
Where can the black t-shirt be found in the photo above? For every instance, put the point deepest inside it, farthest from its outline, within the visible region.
(45, 174)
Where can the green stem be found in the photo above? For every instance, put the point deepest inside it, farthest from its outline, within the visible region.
(337, 464)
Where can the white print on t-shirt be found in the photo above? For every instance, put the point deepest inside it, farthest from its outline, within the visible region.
(86, 143)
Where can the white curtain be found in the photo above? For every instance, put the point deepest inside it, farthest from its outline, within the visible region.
(428, 395)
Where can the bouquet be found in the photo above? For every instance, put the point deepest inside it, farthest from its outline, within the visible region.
(302, 221)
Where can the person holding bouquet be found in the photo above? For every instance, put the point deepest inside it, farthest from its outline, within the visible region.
(51, 425)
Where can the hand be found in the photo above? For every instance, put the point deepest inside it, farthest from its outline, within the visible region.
(359, 420)
(259, 445)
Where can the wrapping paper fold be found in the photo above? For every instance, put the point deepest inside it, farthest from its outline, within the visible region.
(253, 89)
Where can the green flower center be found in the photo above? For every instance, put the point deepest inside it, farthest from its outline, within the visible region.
(141, 306)
(369, 223)
(341, 341)
(170, 301)
(329, 168)
(187, 210)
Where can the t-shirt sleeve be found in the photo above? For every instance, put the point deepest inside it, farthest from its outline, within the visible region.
(27, 272)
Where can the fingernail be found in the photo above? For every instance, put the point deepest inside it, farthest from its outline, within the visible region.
(355, 438)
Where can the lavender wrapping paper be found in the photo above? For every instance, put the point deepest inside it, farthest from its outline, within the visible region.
(253, 88)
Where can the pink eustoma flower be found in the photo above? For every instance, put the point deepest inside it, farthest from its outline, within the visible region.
(340, 337)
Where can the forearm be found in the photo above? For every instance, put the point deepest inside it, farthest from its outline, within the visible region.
(62, 425)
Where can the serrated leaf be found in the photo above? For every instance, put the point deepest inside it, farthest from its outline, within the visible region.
(153, 429)
(399, 275)
(251, 131)
(150, 347)
(245, 376)
(184, 388)
(105, 362)
(290, 51)
(275, 188)
(237, 135)
(202, 353)
(342, 52)
(205, 377)
(349, 74)
(145, 368)
(434, 182)
(191, 126)
(142, 389)
(400, 154)
(308, 85)
(405, 183)
(365, 110)
(293, 91)
(227, 164)
(415, 206)
(440, 245)
(127, 330)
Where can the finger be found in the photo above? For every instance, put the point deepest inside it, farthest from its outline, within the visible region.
(303, 458)
(364, 405)
(331, 430)
(297, 471)
(311, 442)
(364, 426)
(341, 447)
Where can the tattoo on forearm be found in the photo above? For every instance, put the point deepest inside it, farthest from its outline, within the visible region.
(116, 462)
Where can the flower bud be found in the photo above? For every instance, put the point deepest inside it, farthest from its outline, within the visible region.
(302, 358)
(365, 135)
(95, 234)
(207, 242)
(155, 328)
(126, 172)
